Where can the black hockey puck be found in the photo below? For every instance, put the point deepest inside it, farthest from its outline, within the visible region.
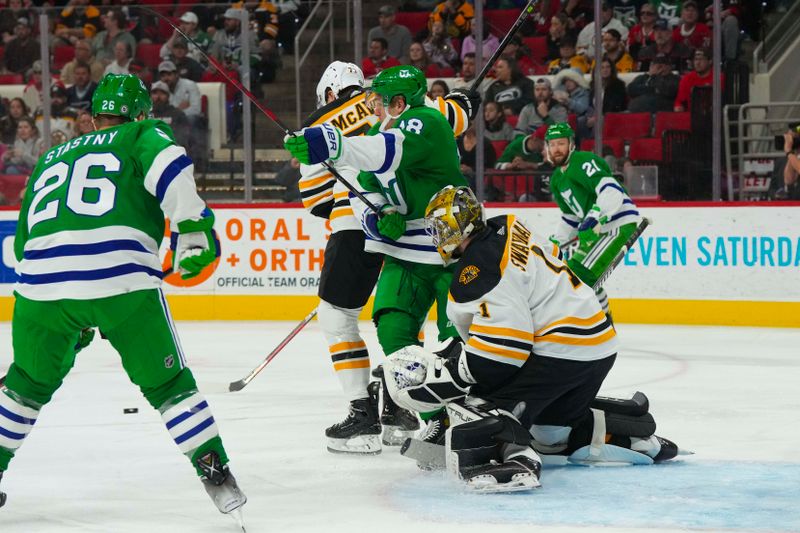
(130, 410)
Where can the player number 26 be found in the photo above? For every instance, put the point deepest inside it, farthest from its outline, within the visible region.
(77, 175)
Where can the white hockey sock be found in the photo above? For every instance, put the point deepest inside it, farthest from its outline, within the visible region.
(190, 422)
(348, 350)
(16, 421)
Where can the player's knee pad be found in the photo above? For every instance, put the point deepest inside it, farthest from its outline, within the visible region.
(603, 437)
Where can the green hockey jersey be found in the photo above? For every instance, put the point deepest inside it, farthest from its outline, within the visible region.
(404, 166)
(587, 181)
(92, 219)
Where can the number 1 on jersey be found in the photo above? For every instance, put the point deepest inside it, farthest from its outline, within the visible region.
(484, 310)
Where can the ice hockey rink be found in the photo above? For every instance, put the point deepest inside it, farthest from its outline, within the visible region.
(729, 394)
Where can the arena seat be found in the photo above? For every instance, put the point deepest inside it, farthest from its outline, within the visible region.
(626, 126)
(512, 120)
(617, 146)
(501, 20)
(62, 55)
(537, 46)
(499, 147)
(11, 185)
(149, 55)
(415, 21)
(646, 149)
(11, 79)
(666, 120)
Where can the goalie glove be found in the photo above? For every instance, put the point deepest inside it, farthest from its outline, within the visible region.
(418, 380)
(195, 246)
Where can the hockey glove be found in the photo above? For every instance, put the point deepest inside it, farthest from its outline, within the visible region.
(588, 230)
(389, 224)
(84, 339)
(468, 99)
(418, 380)
(315, 144)
(196, 245)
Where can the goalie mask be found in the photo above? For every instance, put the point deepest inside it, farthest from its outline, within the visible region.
(337, 77)
(452, 215)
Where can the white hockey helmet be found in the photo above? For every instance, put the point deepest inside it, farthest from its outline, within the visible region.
(339, 75)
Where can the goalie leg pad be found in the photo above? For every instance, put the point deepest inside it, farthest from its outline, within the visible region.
(637, 405)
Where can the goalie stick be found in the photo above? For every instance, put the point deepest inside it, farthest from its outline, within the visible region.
(242, 383)
(621, 254)
(250, 96)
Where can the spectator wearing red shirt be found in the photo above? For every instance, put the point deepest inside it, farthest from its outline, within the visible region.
(701, 75)
(690, 32)
(643, 34)
(377, 58)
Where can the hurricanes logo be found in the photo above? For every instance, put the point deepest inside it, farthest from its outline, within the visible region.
(468, 274)
(169, 361)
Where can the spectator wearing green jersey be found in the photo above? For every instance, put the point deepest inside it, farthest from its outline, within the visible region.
(523, 153)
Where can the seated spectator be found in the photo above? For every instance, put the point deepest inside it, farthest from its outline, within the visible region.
(22, 156)
(468, 74)
(691, 33)
(490, 43)
(523, 153)
(269, 62)
(160, 93)
(83, 54)
(455, 15)
(84, 123)
(643, 34)
(289, 177)
(12, 11)
(417, 57)
(655, 90)
(32, 93)
(585, 43)
(397, 36)
(187, 67)
(678, 53)
(543, 110)
(104, 42)
(79, 95)
(730, 27)
(559, 28)
(185, 95)
(8, 122)
(568, 59)
(22, 50)
(440, 49)
(496, 128)
(467, 149)
(439, 89)
(189, 24)
(265, 19)
(511, 89)
(625, 10)
(122, 59)
(615, 51)
(572, 91)
(377, 58)
(78, 20)
(615, 98)
(62, 117)
(516, 50)
(701, 75)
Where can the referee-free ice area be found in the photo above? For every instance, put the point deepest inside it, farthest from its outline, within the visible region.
(732, 395)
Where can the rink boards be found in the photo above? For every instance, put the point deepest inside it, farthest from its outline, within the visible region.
(731, 264)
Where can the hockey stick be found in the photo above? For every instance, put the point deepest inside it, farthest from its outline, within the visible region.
(507, 39)
(621, 254)
(242, 383)
(272, 116)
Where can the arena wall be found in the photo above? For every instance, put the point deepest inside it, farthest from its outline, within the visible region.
(718, 264)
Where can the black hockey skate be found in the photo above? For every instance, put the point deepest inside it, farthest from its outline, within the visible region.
(516, 474)
(436, 428)
(221, 486)
(360, 432)
(398, 424)
(2, 494)
(669, 450)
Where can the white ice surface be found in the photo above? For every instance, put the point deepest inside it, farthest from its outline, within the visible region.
(732, 395)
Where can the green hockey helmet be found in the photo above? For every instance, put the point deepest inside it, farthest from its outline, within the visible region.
(560, 130)
(403, 80)
(122, 95)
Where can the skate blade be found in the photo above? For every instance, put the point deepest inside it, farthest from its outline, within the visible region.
(491, 487)
(396, 436)
(427, 455)
(360, 445)
(236, 514)
(681, 451)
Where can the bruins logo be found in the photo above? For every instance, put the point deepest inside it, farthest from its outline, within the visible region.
(468, 274)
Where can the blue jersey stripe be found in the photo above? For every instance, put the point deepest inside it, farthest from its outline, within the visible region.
(389, 140)
(194, 431)
(14, 417)
(169, 174)
(570, 222)
(10, 434)
(88, 275)
(613, 186)
(69, 250)
(623, 214)
(183, 416)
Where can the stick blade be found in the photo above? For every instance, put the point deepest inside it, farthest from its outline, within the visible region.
(236, 386)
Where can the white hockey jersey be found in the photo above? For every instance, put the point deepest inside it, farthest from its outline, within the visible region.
(513, 297)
